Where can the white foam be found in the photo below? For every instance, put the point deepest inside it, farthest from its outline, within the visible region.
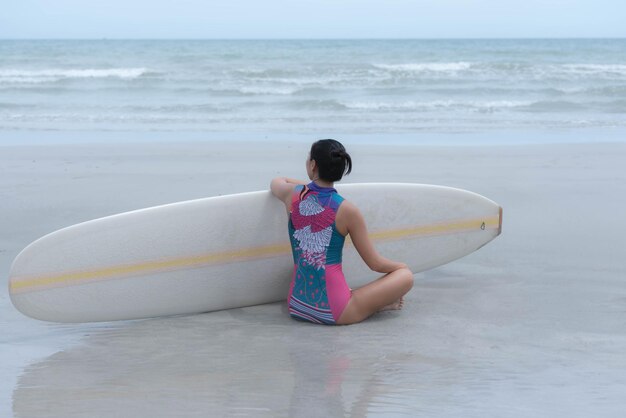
(420, 67)
(596, 69)
(436, 105)
(283, 91)
(27, 79)
(50, 75)
(314, 80)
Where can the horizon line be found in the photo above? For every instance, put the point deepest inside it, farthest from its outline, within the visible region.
(317, 39)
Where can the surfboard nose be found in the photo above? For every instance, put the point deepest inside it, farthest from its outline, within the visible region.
(500, 222)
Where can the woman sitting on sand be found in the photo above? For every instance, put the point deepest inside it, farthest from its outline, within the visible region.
(319, 221)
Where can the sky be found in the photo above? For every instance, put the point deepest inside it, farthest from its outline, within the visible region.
(311, 19)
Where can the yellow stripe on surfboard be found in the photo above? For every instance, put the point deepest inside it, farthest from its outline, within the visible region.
(150, 266)
(27, 284)
(436, 229)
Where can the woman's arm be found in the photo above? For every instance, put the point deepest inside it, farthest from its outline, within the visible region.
(282, 188)
(355, 225)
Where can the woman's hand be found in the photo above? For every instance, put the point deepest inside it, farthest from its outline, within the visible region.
(386, 265)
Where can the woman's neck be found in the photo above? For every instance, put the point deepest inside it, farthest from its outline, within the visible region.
(323, 183)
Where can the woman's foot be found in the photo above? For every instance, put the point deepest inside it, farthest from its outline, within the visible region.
(396, 306)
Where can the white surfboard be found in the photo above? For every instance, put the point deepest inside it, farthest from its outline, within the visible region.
(229, 251)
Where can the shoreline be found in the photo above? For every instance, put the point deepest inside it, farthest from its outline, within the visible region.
(516, 137)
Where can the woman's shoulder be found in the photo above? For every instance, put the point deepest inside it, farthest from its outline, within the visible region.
(347, 207)
(349, 217)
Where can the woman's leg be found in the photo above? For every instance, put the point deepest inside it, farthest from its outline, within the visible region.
(374, 296)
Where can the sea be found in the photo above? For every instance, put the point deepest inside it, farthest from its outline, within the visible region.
(255, 88)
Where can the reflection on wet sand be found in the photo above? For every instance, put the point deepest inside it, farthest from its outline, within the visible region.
(244, 362)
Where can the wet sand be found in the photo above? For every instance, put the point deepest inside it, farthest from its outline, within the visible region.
(533, 324)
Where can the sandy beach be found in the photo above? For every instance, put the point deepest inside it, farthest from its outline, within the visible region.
(531, 325)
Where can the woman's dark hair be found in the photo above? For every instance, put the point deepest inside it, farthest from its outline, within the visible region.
(333, 162)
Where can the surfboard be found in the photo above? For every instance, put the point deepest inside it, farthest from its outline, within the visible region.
(229, 251)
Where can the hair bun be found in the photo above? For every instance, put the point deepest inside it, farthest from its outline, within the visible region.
(338, 154)
(332, 159)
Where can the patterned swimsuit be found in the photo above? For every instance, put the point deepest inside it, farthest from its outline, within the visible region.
(318, 292)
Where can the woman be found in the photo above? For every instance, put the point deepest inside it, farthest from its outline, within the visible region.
(319, 221)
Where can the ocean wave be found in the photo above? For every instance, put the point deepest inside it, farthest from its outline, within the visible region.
(74, 118)
(11, 106)
(570, 72)
(435, 105)
(27, 80)
(506, 70)
(610, 91)
(307, 81)
(268, 90)
(299, 76)
(596, 69)
(317, 104)
(264, 72)
(172, 109)
(52, 75)
(429, 67)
